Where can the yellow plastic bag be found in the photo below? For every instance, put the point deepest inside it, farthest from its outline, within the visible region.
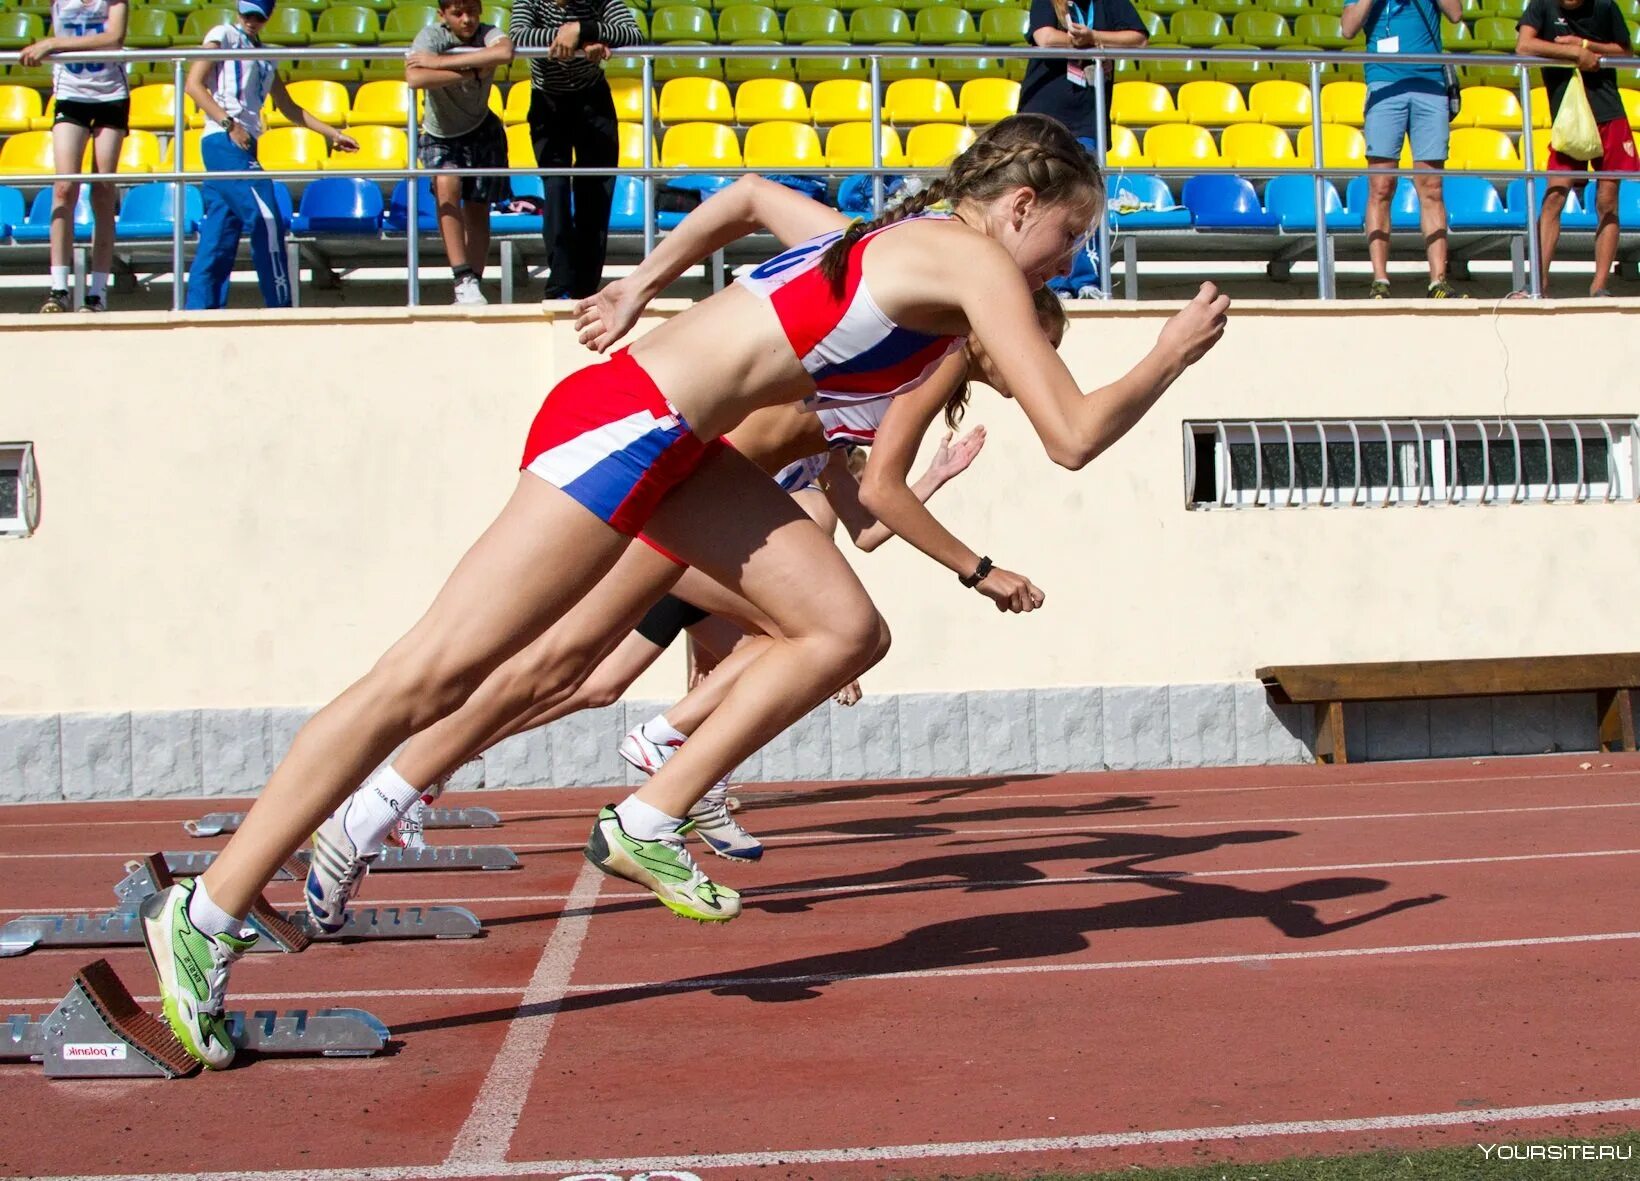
(1575, 133)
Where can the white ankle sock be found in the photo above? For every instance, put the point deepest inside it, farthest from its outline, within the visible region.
(376, 808)
(207, 916)
(661, 732)
(59, 278)
(645, 821)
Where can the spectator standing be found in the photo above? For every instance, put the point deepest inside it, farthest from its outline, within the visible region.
(1405, 102)
(572, 120)
(92, 104)
(454, 61)
(1581, 32)
(1063, 88)
(231, 95)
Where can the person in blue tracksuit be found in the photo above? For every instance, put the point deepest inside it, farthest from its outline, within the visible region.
(231, 95)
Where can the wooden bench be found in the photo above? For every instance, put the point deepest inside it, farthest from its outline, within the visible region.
(1610, 677)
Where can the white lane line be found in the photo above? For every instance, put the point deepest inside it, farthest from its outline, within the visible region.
(456, 1170)
(798, 888)
(488, 1130)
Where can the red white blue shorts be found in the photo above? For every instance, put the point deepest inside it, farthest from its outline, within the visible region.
(610, 439)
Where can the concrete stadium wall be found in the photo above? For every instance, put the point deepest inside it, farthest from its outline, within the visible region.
(240, 512)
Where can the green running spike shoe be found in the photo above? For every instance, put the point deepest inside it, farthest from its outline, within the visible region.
(663, 866)
(193, 973)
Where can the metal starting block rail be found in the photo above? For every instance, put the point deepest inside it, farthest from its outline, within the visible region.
(217, 824)
(99, 1031)
(290, 931)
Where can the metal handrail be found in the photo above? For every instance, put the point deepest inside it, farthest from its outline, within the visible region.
(180, 57)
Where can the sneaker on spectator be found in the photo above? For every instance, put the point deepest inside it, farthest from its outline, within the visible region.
(1441, 289)
(57, 301)
(95, 303)
(1379, 289)
(469, 291)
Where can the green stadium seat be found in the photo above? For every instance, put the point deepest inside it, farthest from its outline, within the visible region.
(743, 69)
(1458, 38)
(1290, 9)
(903, 68)
(958, 70)
(1226, 8)
(668, 68)
(1321, 30)
(681, 22)
(1199, 30)
(343, 70)
(1168, 7)
(151, 28)
(288, 27)
(1493, 32)
(944, 26)
(1246, 72)
(814, 70)
(401, 24)
(1172, 72)
(1004, 26)
(808, 23)
(738, 23)
(1155, 29)
(501, 17)
(1267, 30)
(347, 24)
(20, 29)
(201, 21)
(312, 7)
(880, 26)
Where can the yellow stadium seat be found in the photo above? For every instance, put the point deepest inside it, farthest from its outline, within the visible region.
(1540, 109)
(517, 109)
(1631, 106)
(19, 105)
(631, 154)
(1181, 145)
(325, 101)
(288, 148)
(934, 145)
(1540, 152)
(920, 100)
(989, 100)
(1123, 151)
(28, 153)
(192, 161)
(1213, 104)
(383, 102)
(1142, 104)
(1344, 102)
(521, 148)
(138, 153)
(1488, 106)
(696, 100)
(841, 100)
(627, 92)
(783, 145)
(1482, 149)
(379, 147)
(1257, 145)
(1342, 146)
(767, 100)
(700, 145)
(153, 107)
(848, 145)
(1281, 102)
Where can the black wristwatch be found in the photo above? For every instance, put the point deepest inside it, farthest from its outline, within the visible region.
(978, 576)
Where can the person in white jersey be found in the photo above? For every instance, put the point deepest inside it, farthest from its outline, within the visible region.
(231, 95)
(91, 104)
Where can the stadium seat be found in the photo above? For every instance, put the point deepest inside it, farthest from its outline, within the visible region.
(749, 23)
(775, 146)
(325, 101)
(1004, 26)
(524, 223)
(12, 209)
(19, 105)
(1458, 38)
(1472, 203)
(1403, 202)
(1291, 201)
(1495, 33)
(920, 100)
(1575, 218)
(807, 23)
(339, 205)
(138, 153)
(1289, 8)
(147, 209)
(1481, 149)
(1342, 146)
(1227, 8)
(346, 24)
(1246, 72)
(1181, 145)
(812, 70)
(404, 21)
(311, 7)
(492, 14)
(1488, 106)
(291, 148)
(623, 90)
(19, 29)
(840, 100)
(681, 22)
(1222, 202)
(1344, 102)
(288, 27)
(1155, 29)
(1283, 103)
(1173, 71)
(201, 21)
(332, 69)
(694, 100)
(38, 226)
(1266, 30)
(944, 26)
(379, 147)
(880, 26)
(28, 153)
(396, 215)
(382, 102)
(521, 148)
(150, 28)
(153, 107)
(1142, 104)
(668, 68)
(1631, 106)
(1199, 30)
(988, 100)
(1213, 104)
(192, 161)
(848, 145)
(700, 145)
(1159, 210)
(1250, 146)
(1123, 150)
(765, 100)
(934, 145)
(1323, 30)
(1167, 7)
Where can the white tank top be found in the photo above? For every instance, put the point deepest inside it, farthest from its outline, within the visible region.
(241, 86)
(95, 82)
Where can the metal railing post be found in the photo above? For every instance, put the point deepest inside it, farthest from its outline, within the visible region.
(648, 156)
(1101, 139)
(179, 130)
(412, 212)
(1323, 246)
(1534, 244)
(876, 136)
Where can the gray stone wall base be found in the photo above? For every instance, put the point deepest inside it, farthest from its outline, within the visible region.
(914, 735)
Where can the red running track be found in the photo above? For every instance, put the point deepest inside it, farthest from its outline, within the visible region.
(931, 978)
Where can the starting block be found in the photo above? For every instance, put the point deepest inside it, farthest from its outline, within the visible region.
(292, 931)
(99, 1031)
(217, 824)
(193, 862)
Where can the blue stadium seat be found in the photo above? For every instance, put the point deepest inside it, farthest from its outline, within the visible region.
(1473, 204)
(281, 198)
(521, 223)
(1403, 206)
(146, 211)
(1292, 200)
(1628, 205)
(398, 208)
(38, 226)
(1165, 213)
(1574, 219)
(340, 205)
(11, 209)
(626, 213)
(1221, 202)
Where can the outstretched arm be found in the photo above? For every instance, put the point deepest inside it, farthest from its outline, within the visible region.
(745, 207)
(951, 459)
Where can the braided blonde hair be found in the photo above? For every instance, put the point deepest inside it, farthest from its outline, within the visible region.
(1029, 151)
